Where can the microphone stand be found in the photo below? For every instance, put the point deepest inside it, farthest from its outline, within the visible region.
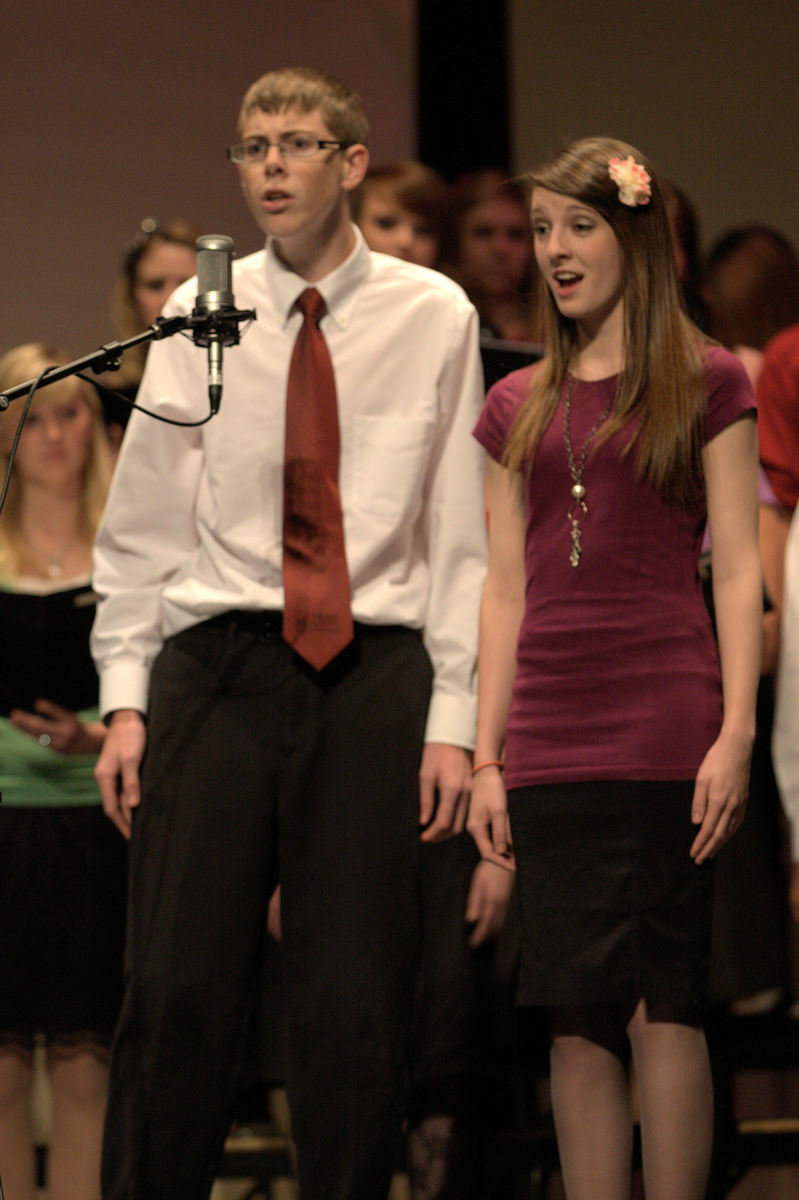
(222, 325)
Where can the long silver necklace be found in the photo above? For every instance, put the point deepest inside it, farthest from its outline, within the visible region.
(578, 509)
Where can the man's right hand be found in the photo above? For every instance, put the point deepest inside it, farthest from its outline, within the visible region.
(117, 770)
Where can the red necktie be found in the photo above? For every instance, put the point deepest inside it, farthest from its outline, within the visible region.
(317, 620)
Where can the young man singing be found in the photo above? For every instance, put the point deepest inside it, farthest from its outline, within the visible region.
(289, 600)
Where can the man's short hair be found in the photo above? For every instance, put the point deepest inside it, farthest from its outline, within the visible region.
(309, 91)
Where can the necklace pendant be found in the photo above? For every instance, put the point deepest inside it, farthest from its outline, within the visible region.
(579, 507)
(577, 549)
(54, 569)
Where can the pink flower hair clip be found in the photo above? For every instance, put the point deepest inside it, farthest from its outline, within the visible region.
(633, 180)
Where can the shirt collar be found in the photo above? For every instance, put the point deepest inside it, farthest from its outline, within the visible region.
(339, 288)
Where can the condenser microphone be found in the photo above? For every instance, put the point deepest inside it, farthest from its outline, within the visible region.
(213, 325)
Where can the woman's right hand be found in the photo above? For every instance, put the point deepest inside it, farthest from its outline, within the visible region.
(59, 728)
(488, 818)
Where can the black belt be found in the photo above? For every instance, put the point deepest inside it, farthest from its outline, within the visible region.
(266, 623)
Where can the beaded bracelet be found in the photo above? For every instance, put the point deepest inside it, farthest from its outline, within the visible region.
(493, 762)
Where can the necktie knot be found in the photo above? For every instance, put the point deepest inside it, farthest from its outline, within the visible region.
(311, 303)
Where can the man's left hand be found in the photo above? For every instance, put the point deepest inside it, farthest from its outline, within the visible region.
(445, 783)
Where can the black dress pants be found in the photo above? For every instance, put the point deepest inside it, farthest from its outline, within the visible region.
(253, 757)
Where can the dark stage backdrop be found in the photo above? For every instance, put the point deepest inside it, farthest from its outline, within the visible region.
(112, 113)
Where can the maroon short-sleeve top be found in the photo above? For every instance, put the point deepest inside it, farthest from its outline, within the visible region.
(617, 668)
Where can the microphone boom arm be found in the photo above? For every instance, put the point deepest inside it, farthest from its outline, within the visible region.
(223, 325)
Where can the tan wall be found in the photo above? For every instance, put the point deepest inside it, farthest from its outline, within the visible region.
(111, 113)
(708, 89)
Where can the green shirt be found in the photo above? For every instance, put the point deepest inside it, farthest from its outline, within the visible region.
(34, 776)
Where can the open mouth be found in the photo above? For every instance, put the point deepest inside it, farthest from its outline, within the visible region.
(566, 281)
(275, 201)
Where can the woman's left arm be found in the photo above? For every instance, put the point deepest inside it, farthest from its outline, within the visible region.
(730, 467)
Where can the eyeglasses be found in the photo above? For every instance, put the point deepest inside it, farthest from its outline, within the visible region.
(290, 145)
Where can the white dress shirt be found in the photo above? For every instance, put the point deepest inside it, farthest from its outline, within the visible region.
(785, 738)
(193, 525)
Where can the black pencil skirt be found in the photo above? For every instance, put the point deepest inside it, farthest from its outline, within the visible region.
(613, 907)
(62, 900)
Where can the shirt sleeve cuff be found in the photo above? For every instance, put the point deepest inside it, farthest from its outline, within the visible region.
(124, 685)
(452, 720)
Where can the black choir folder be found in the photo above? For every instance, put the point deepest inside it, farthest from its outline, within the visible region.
(44, 649)
(501, 357)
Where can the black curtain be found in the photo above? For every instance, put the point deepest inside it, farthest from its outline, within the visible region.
(463, 105)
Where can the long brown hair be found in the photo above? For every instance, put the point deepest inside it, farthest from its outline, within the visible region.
(661, 394)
